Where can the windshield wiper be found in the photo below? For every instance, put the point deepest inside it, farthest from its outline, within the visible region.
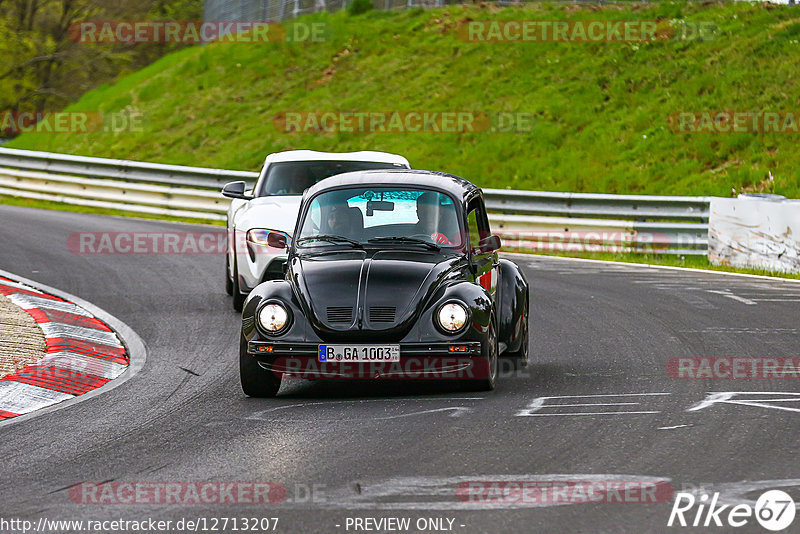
(330, 239)
(412, 240)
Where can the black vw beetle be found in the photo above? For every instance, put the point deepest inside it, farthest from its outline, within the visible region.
(390, 274)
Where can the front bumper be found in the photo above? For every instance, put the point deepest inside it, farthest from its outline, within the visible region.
(458, 360)
(265, 264)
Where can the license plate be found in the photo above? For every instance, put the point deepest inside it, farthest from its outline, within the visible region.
(359, 353)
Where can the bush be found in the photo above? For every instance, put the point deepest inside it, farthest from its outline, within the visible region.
(358, 7)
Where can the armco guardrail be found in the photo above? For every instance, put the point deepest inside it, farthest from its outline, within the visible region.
(136, 171)
(632, 207)
(596, 222)
(524, 219)
(141, 187)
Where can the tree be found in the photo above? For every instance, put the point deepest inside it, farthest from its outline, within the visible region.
(42, 67)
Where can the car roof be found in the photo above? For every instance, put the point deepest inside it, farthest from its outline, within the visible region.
(313, 155)
(457, 187)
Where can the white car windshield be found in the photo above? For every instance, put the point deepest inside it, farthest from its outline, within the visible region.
(377, 216)
(294, 177)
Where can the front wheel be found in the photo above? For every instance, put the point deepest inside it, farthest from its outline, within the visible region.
(238, 298)
(521, 355)
(228, 281)
(489, 352)
(256, 381)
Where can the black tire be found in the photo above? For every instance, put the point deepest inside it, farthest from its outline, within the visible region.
(490, 352)
(256, 381)
(228, 281)
(238, 298)
(522, 355)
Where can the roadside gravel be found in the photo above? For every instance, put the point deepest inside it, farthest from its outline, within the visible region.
(21, 340)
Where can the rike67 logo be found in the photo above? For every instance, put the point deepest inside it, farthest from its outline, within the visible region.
(774, 510)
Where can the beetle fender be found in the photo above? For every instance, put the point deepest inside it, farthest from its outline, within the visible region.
(513, 297)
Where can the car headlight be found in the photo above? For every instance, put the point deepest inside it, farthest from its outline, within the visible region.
(260, 236)
(273, 317)
(452, 317)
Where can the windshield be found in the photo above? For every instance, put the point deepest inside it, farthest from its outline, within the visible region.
(380, 216)
(294, 177)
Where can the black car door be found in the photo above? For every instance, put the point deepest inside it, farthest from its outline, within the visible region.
(487, 266)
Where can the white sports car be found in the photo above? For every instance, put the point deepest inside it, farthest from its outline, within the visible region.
(272, 206)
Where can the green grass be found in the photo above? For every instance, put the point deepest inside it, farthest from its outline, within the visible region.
(599, 110)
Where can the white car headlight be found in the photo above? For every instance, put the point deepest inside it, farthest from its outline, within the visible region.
(273, 317)
(452, 317)
(260, 236)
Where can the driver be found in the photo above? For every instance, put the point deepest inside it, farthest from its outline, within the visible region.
(428, 218)
(293, 181)
(338, 222)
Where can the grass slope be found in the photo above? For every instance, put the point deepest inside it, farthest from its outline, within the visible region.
(600, 109)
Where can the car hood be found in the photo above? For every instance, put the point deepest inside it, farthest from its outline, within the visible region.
(356, 291)
(272, 212)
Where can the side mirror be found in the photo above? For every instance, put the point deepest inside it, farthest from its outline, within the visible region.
(276, 240)
(489, 244)
(235, 190)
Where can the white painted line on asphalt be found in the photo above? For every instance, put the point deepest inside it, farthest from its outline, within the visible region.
(741, 330)
(672, 427)
(728, 294)
(17, 397)
(609, 395)
(580, 413)
(538, 404)
(768, 292)
(601, 404)
(457, 411)
(80, 332)
(739, 398)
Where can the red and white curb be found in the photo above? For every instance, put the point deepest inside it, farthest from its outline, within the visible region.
(83, 352)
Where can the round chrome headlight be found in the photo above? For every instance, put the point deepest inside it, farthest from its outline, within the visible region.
(452, 317)
(273, 317)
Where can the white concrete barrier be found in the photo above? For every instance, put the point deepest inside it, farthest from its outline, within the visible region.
(761, 231)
